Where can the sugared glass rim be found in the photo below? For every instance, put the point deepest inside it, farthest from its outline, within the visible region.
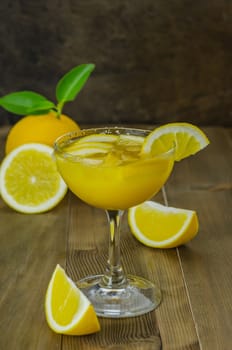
(111, 130)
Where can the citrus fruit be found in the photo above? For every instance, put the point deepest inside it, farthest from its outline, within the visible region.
(122, 140)
(44, 128)
(67, 309)
(86, 147)
(29, 179)
(159, 226)
(187, 138)
(104, 138)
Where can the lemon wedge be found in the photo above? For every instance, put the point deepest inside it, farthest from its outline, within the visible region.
(29, 179)
(187, 138)
(67, 309)
(159, 226)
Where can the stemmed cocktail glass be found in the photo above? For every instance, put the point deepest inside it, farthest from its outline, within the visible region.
(106, 168)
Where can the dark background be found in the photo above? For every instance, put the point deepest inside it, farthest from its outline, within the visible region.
(156, 61)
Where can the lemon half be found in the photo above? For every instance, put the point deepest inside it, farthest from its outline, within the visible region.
(29, 179)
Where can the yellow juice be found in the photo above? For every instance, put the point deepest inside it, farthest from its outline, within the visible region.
(110, 171)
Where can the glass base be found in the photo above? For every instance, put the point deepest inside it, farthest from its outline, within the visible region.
(137, 297)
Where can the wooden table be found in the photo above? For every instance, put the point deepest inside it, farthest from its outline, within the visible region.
(195, 279)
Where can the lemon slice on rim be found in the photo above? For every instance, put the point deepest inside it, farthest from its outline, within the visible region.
(187, 138)
(67, 309)
(159, 226)
(29, 180)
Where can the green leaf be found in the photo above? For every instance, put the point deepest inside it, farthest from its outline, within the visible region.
(72, 82)
(25, 102)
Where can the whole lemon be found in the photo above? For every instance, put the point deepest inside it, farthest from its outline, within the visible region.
(44, 128)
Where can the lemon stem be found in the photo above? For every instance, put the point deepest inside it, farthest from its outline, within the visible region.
(59, 109)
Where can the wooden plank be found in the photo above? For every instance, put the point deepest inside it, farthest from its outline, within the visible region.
(175, 320)
(195, 279)
(31, 246)
(204, 183)
(36, 244)
(170, 326)
(87, 254)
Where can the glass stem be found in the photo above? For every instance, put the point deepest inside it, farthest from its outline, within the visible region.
(114, 276)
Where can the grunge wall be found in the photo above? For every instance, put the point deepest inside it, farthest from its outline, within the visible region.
(156, 61)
